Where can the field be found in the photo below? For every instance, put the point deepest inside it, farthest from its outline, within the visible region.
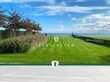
(66, 49)
(106, 37)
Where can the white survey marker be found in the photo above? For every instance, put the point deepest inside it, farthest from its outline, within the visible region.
(54, 63)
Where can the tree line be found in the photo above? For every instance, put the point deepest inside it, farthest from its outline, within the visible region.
(13, 22)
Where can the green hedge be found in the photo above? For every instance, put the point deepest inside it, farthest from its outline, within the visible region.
(21, 44)
(14, 46)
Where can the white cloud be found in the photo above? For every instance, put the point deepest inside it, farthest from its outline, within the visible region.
(60, 9)
(93, 24)
(59, 27)
(107, 1)
(74, 19)
(20, 1)
(51, 1)
(35, 14)
(5, 0)
(58, 30)
(63, 3)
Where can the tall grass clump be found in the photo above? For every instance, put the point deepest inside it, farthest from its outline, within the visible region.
(14, 46)
(20, 44)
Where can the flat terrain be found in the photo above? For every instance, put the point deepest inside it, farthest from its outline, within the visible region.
(55, 74)
(106, 37)
(65, 49)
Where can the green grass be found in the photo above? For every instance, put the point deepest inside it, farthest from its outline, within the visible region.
(106, 37)
(67, 50)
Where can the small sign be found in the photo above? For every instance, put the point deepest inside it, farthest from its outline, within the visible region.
(55, 63)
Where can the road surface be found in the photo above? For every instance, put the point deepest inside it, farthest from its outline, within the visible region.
(55, 74)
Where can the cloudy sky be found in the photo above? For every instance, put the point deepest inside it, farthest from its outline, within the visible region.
(80, 16)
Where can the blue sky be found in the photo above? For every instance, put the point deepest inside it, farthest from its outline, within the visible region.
(80, 16)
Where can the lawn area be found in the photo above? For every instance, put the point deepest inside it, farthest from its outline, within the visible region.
(106, 37)
(65, 49)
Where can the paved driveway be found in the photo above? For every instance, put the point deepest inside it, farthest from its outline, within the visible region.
(55, 74)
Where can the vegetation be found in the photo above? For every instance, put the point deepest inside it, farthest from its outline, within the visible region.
(3, 19)
(38, 49)
(105, 37)
(14, 46)
(15, 41)
(67, 50)
(13, 22)
(20, 44)
(100, 41)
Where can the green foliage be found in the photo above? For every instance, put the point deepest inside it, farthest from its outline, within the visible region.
(30, 26)
(13, 22)
(21, 43)
(94, 40)
(14, 45)
(67, 50)
(3, 19)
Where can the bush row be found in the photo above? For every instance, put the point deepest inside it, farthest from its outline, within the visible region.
(19, 44)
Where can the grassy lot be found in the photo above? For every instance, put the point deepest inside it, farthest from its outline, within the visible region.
(66, 49)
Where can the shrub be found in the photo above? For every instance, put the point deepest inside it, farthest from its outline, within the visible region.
(14, 45)
(21, 44)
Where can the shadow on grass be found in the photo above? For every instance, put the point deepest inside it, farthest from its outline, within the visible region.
(105, 59)
(99, 43)
(102, 42)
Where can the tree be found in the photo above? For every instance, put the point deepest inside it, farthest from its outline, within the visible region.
(35, 27)
(31, 26)
(3, 19)
(13, 24)
(14, 21)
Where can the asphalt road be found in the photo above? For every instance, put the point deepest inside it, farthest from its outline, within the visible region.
(55, 74)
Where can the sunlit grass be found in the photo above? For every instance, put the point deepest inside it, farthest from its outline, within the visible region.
(65, 49)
